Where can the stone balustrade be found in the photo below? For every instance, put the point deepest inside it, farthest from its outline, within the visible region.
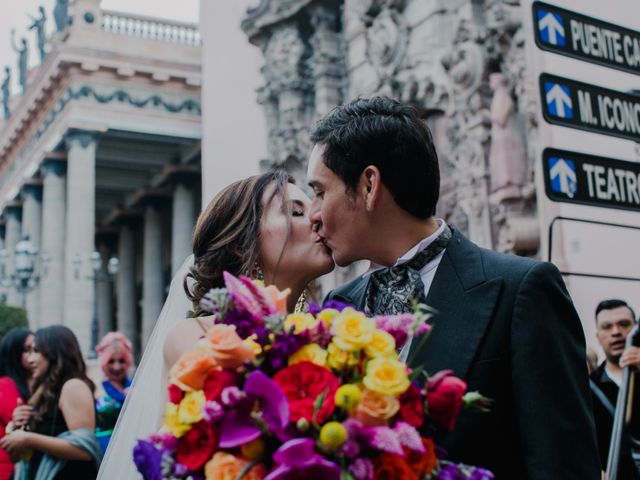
(150, 28)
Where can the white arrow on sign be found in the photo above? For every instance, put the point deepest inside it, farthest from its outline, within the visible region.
(562, 170)
(553, 26)
(558, 96)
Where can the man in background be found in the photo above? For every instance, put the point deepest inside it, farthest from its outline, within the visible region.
(614, 321)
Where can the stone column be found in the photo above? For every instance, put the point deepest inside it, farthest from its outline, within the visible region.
(79, 290)
(13, 216)
(183, 221)
(126, 283)
(53, 240)
(105, 293)
(152, 281)
(31, 224)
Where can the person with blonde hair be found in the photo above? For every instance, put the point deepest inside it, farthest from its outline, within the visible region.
(115, 354)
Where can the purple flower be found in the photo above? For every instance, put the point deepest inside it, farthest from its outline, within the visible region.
(314, 308)
(362, 469)
(239, 426)
(451, 471)
(285, 345)
(297, 459)
(148, 460)
(212, 411)
(231, 396)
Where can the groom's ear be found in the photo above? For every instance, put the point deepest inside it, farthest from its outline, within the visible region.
(371, 186)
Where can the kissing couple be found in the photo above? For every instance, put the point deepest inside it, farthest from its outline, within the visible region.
(504, 324)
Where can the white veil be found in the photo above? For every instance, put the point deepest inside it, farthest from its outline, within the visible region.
(144, 405)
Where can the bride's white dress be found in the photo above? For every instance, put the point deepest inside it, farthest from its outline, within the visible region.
(143, 408)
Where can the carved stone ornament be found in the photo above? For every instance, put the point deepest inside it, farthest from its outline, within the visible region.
(387, 39)
(283, 54)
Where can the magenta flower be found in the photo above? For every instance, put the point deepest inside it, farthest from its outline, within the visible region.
(297, 459)
(362, 469)
(249, 297)
(239, 425)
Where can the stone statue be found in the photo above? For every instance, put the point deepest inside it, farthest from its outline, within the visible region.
(38, 26)
(23, 54)
(61, 14)
(6, 92)
(507, 156)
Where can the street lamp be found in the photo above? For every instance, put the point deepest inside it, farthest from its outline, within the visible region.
(23, 279)
(95, 260)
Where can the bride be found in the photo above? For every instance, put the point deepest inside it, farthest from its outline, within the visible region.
(257, 227)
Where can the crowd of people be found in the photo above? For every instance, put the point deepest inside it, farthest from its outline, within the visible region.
(375, 180)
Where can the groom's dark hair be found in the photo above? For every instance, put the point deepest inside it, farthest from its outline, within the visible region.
(382, 132)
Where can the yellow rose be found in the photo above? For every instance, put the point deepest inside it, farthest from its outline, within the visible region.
(190, 408)
(375, 409)
(386, 376)
(300, 322)
(327, 315)
(224, 466)
(338, 359)
(382, 344)
(352, 329)
(172, 423)
(311, 352)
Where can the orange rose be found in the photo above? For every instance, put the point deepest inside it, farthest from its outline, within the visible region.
(278, 297)
(422, 463)
(191, 369)
(226, 346)
(224, 466)
(375, 409)
(392, 467)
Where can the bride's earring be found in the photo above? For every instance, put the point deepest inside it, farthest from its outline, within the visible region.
(257, 273)
(302, 305)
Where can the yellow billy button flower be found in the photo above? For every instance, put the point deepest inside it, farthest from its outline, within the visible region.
(353, 330)
(382, 344)
(172, 423)
(311, 352)
(339, 359)
(333, 435)
(300, 322)
(253, 450)
(190, 408)
(347, 396)
(327, 315)
(386, 376)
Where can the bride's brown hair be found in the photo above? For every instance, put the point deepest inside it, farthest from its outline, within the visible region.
(227, 233)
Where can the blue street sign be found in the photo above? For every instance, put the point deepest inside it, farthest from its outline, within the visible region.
(558, 99)
(562, 175)
(551, 26)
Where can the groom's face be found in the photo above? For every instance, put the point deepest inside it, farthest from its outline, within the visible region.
(337, 214)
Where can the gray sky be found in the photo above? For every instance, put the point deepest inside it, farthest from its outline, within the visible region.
(15, 15)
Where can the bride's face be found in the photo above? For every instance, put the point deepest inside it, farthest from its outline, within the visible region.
(288, 248)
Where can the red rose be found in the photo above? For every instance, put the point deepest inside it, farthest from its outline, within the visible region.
(392, 467)
(444, 398)
(412, 407)
(175, 394)
(196, 447)
(302, 383)
(218, 380)
(422, 463)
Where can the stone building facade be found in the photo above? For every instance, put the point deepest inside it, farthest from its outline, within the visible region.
(461, 63)
(101, 153)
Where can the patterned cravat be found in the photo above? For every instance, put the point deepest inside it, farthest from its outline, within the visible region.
(391, 290)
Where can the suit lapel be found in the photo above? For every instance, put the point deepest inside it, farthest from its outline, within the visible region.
(465, 301)
(355, 294)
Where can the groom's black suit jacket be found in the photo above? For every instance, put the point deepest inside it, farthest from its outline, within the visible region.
(507, 326)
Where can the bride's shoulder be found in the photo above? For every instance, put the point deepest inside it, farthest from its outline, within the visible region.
(182, 336)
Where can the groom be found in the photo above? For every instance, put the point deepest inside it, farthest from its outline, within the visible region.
(505, 324)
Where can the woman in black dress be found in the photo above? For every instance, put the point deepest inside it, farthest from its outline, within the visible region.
(60, 441)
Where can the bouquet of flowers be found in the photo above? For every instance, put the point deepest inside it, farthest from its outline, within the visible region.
(319, 395)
